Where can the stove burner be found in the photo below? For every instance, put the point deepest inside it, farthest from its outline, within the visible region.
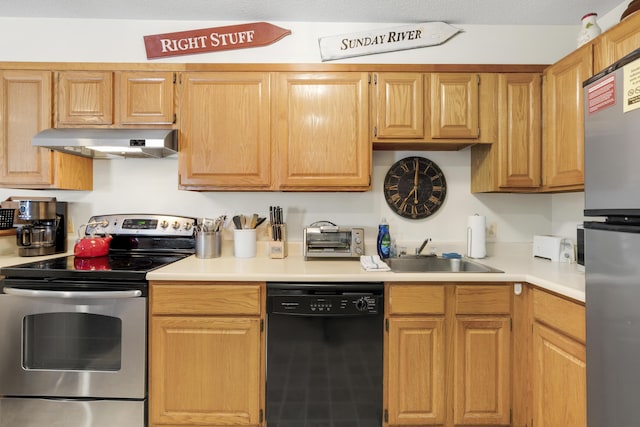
(130, 263)
(105, 263)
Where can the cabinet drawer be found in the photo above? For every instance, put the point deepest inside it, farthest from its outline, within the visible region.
(416, 299)
(561, 314)
(481, 299)
(205, 299)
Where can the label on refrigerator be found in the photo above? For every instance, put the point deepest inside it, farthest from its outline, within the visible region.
(602, 94)
(631, 92)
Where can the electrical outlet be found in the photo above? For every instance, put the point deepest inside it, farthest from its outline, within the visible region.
(491, 230)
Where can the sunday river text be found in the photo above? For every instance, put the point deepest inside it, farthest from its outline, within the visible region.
(391, 37)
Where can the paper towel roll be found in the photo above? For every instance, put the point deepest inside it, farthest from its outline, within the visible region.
(476, 236)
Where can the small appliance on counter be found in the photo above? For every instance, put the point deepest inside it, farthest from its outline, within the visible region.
(324, 239)
(41, 226)
(553, 248)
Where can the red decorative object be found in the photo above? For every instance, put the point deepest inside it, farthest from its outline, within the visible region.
(213, 39)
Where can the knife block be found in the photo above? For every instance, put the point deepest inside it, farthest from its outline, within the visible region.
(278, 248)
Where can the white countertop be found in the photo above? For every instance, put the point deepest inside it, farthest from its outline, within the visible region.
(514, 259)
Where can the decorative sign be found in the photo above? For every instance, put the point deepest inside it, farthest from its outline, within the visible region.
(213, 39)
(386, 40)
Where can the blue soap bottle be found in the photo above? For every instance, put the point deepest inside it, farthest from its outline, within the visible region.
(384, 239)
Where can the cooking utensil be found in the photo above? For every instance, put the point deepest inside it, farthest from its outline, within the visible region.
(237, 222)
(92, 246)
(253, 221)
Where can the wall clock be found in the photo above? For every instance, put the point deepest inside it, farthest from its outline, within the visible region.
(415, 187)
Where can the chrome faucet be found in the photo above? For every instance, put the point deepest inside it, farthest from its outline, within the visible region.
(422, 246)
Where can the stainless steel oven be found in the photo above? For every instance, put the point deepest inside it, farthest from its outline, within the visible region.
(74, 348)
(68, 344)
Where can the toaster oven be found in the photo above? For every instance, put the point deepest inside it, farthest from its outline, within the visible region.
(331, 241)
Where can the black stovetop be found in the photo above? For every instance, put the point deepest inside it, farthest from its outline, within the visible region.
(123, 266)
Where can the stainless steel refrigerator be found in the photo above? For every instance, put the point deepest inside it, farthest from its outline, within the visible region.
(612, 244)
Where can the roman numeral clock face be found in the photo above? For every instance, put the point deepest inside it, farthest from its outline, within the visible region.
(415, 187)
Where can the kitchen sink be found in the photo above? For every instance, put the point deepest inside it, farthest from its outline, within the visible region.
(433, 264)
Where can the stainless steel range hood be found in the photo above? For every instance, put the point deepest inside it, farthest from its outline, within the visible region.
(110, 143)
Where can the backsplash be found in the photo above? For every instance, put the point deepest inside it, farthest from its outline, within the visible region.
(151, 186)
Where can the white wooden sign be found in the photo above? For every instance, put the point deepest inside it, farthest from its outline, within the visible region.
(385, 40)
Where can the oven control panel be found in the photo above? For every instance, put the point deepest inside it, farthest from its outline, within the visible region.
(140, 224)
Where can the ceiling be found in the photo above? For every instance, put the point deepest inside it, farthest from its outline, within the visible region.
(460, 12)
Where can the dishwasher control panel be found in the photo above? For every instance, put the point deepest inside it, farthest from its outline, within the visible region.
(324, 302)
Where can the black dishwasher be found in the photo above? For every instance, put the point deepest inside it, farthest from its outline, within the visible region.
(324, 354)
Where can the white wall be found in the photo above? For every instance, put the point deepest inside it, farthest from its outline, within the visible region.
(140, 185)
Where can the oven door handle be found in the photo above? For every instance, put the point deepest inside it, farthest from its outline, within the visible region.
(72, 294)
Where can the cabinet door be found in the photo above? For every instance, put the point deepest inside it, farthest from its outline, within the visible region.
(145, 97)
(225, 131)
(482, 380)
(321, 130)
(563, 135)
(454, 105)
(25, 110)
(205, 371)
(85, 98)
(559, 379)
(415, 371)
(520, 134)
(399, 105)
(617, 42)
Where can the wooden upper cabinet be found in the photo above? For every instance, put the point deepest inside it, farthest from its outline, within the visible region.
(513, 162)
(520, 133)
(225, 137)
(84, 98)
(145, 97)
(455, 105)
(26, 109)
(616, 42)
(321, 128)
(398, 108)
(121, 98)
(563, 121)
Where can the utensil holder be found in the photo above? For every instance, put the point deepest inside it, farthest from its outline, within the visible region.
(278, 242)
(208, 244)
(244, 243)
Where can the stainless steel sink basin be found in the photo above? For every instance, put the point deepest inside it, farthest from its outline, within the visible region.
(432, 264)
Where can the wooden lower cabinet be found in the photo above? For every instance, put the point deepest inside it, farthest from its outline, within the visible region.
(455, 354)
(482, 380)
(482, 355)
(559, 362)
(449, 355)
(206, 350)
(416, 387)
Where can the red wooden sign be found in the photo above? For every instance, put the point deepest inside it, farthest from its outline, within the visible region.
(213, 39)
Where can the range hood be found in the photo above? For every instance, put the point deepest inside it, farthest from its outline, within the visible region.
(110, 143)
